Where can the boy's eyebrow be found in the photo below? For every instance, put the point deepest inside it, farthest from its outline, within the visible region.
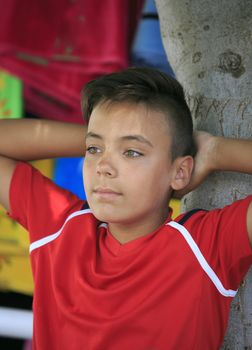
(138, 138)
(92, 134)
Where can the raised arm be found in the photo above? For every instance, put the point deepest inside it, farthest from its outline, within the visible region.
(235, 155)
(32, 139)
(219, 153)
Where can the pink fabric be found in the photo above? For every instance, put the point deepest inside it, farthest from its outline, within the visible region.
(28, 345)
(56, 47)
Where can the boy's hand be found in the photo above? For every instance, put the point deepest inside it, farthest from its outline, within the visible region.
(219, 153)
(204, 161)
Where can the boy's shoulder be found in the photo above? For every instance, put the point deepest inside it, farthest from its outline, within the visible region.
(234, 209)
(184, 217)
(219, 240)
(221, 229)
(38, 204)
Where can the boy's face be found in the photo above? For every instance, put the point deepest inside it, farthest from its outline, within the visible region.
(128, 169)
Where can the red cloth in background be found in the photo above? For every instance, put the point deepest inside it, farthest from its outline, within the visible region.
(55, 47)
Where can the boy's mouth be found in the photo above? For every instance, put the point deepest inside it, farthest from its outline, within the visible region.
(104, 192)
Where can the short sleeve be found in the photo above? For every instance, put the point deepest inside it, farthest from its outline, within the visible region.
(222, 237)
(37, 203)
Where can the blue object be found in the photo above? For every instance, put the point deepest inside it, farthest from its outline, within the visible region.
(148, 50)
(68, 174)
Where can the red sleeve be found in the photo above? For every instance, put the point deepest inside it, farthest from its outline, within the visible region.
(37, 203)
(222, 237)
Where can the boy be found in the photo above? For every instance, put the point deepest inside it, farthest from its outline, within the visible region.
(122, 274)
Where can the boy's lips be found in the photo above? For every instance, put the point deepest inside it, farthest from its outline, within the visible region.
(105, 192)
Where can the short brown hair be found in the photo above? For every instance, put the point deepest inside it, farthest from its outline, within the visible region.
(154, 89)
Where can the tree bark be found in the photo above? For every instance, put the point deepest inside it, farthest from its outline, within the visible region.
(209, 46)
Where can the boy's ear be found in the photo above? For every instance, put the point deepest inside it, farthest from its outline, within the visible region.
(183, 167)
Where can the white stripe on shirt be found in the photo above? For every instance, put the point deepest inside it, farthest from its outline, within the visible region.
(53, 236)
(195, 249)
(202, 261)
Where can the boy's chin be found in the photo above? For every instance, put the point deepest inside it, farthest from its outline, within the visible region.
(105, 217)
(111, 218)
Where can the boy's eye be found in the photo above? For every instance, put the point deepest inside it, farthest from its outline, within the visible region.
(132, 154)
(93, 150)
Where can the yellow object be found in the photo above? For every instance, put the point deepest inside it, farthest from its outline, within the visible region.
(15, 271)
(175, 205)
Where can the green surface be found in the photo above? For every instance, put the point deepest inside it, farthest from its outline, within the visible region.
(11, 96)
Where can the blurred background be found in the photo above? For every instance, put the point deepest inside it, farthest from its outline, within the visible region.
(49, 49)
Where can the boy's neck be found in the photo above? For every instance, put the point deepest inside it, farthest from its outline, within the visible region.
(124, 233)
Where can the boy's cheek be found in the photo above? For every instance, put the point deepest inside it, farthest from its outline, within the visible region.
(87, 183)
(88, 175)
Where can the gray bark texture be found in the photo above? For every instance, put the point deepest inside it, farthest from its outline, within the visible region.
(209, 46)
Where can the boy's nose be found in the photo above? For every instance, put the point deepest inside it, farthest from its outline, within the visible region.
(105, 168)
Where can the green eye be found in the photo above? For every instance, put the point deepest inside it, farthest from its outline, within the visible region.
(133, 154)
(93, 150)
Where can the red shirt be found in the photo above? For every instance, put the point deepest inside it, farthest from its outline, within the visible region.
(56, 47)
(170, 289)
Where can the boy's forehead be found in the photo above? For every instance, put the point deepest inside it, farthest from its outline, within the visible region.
(124, 122)
(130, 116)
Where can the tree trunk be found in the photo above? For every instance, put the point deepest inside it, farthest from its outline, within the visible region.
(209, 46)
